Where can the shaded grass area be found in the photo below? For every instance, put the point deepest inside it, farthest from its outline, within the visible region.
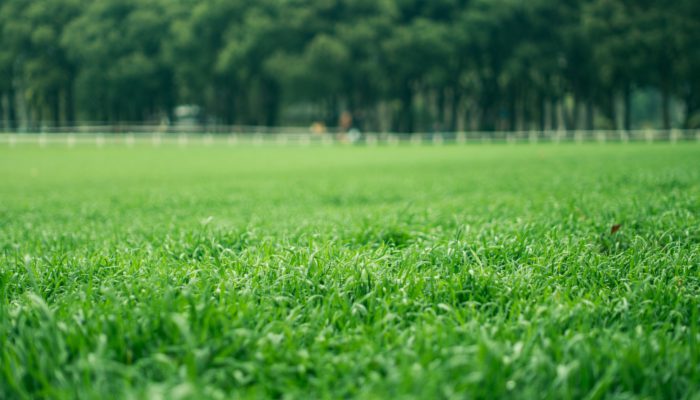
(427, 272)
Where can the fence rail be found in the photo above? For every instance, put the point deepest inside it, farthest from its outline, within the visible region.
(295, 137)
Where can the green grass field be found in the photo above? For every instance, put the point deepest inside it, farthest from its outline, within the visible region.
(481, 271)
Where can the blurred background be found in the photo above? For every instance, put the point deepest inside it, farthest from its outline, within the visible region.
(342, 65)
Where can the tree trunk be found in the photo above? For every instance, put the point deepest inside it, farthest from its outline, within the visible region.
(468, 118)
(553, 114)
(241, 108)
(454, 109)
(512, 111)
(38, 116)
(526, 112)
(270, 102)
(488, 118)
(229, 107)
(665, 107)
(56, 108)
(332, 112)
(69, 116)
(567, 115)
(628, 107)
(3, 124)
(590, 115)
(612, 114)
(542, 113)
(11, 109)
(406, 113)
(691, 108)
(489, 103)
(441, 99)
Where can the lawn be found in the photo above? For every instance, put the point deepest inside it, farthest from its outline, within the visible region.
(477, 271)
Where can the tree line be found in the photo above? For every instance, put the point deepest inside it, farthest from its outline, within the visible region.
(399, 65)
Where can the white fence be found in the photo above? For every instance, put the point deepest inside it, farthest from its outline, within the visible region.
(281, 138)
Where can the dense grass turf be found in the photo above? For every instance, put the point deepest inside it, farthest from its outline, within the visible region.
(429, 272)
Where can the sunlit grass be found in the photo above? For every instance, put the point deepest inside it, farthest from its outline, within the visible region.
(428, 272)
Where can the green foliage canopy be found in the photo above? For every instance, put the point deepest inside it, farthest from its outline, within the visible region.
(482, 64)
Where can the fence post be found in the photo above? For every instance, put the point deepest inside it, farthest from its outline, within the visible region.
(602, 136)
(371, 139)
(532, 137)
(182, 140)
(674, 136)
(327, 140)
(461, 138)
(393, 139)
(282, 140)
(258, 139)
(415, 139)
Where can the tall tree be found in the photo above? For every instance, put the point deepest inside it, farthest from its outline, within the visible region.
(123, 75)
(35, 59)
